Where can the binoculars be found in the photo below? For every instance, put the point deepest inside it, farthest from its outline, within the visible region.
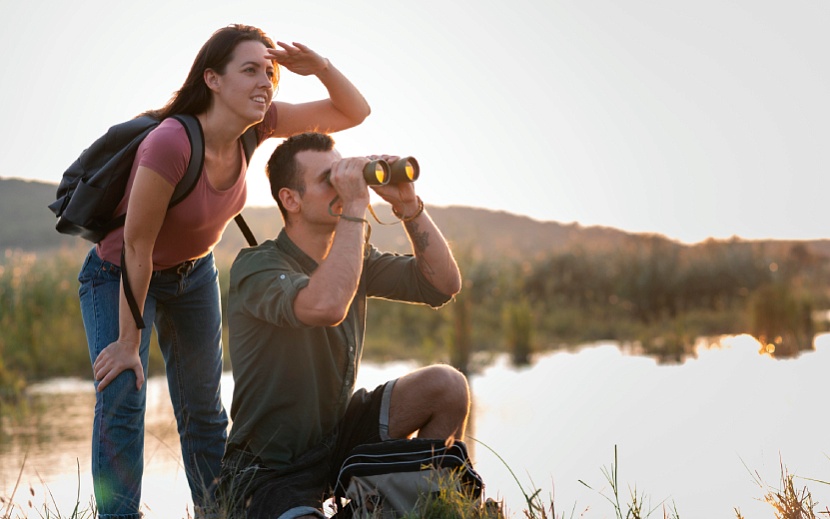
(379, 172)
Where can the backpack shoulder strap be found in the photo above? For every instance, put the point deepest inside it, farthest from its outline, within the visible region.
(194, 170)
(250, 140)
(182, 189)
(197, 154)
(246, 231)
(197, 157)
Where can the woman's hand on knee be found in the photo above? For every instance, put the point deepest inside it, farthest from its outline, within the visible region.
(116, 358)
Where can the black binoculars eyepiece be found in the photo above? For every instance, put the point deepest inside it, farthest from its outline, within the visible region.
(379, 172)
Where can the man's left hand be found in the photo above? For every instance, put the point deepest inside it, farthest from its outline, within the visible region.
(400, 195)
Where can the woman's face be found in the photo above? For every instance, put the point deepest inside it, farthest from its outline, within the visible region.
(247, 86)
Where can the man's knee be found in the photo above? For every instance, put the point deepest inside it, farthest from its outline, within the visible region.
(448, 388)
(434, 400)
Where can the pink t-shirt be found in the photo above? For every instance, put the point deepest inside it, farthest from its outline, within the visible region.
(194, 226)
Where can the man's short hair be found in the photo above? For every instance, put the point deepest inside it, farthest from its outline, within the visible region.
(284, 171)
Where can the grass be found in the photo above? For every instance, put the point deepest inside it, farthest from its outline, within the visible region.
(9, 509)
(452, 503)
(636, 507)
(787, 501)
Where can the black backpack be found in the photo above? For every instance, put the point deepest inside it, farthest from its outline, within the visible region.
(93, 186)
(394, 478)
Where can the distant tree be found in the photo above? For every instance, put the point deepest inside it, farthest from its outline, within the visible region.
(461, 343)
(781, 320)
(518, 326)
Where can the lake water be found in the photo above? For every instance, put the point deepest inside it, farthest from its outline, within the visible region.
(697, 435)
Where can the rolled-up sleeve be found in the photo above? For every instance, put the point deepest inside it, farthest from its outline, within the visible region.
(397, 277)
(266, 289)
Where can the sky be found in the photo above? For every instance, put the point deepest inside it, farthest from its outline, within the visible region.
(687, 119)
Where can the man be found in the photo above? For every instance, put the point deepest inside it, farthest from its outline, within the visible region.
(297, 315)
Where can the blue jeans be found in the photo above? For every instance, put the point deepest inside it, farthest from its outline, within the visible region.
(185, 309)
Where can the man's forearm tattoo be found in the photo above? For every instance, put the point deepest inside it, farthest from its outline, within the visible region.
(420, 240)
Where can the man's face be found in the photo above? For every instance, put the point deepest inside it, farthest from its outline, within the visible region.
(315, 167)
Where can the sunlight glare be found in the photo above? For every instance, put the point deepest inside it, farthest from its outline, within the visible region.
(744, 345)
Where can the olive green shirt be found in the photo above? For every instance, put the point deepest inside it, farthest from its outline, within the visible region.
(292, 382)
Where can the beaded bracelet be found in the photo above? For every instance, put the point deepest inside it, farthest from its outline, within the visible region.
(410, 218)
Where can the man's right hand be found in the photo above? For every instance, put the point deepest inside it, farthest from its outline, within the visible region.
(347, 179)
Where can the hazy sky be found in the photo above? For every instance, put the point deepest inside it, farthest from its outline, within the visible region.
(688, 119)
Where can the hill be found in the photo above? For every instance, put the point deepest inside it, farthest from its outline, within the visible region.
(28, 225)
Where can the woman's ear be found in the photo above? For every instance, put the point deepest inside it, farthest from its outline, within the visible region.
(211, 79)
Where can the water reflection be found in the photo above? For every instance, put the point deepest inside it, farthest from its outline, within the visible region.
(686, 432)
(667, 350)
(50, 450)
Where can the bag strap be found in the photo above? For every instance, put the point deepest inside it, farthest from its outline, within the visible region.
(196, 137)
(249, 142)
(406, 455)
(185, 186)
(128, 292)
(194, 167)
(246, 231)
(250, 139)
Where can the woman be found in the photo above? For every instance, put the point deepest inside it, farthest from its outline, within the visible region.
(168, 258)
